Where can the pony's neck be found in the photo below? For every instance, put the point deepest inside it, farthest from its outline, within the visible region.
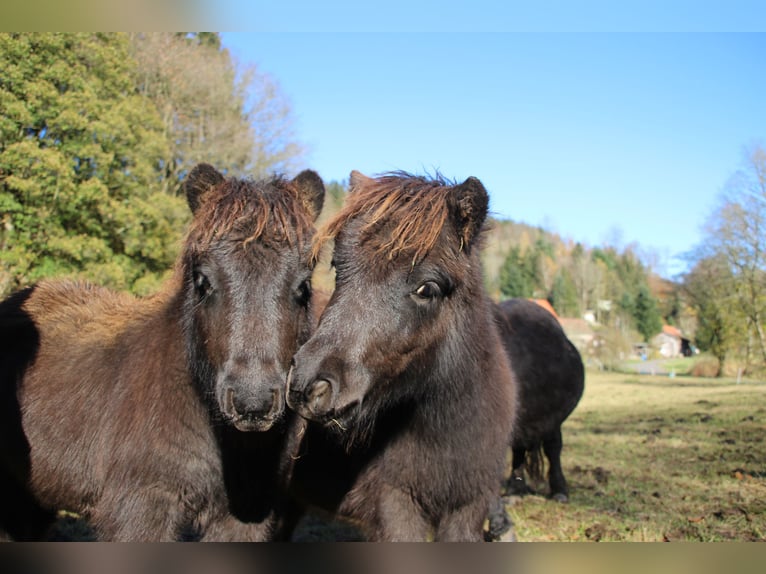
(462, 357)
(174, 320)
(461, 367)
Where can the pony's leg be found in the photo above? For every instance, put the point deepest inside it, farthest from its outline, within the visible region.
(516, 483)
(464, 524)
(399, 518)
(131, 513)
(229, 529)
(552, 445)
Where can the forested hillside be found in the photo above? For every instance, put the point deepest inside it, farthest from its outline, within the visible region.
(524, 261)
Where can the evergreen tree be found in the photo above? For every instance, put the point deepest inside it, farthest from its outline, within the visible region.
(647, 316)
(79, 158)
(518, 276)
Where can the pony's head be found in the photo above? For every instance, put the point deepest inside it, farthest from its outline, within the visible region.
(407, 271)
(246, 275)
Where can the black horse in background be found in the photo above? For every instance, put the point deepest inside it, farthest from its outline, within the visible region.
(550, 378)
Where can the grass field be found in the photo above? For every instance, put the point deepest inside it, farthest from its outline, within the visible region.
(658, 458)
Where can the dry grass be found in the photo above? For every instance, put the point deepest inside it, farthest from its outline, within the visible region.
(658, 458)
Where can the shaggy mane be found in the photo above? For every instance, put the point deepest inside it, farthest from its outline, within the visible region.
(416, 205)
(269, 211)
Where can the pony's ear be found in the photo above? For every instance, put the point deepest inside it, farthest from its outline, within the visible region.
(469, 204)
(310, 191)
(357, 179)
(200, 180)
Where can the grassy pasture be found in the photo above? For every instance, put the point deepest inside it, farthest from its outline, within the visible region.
(653, 458)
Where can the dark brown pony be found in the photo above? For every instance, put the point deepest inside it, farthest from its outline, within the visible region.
(410, 396)
(162, 418)
(551, 378)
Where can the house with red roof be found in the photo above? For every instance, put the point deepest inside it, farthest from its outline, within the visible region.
(671, 342)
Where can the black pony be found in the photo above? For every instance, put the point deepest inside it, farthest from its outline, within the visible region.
(550, 377)
(163, 418)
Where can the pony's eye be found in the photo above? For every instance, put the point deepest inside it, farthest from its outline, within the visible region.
(201, 283)
(303, 293)
(428, 290)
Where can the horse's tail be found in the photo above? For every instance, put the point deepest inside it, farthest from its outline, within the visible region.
(534, 463)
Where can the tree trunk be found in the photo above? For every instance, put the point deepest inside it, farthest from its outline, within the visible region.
(761, 335)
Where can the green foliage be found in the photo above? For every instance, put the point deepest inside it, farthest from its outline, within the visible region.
(646, 315)
(527, 272)
(79, 153)
(335, 193)
(671, 308)
(711, 330)
(574, 279)
(563, 296)
(96, 132)
(727, 285)
(208, 39)
(518, 275)
(707, 288)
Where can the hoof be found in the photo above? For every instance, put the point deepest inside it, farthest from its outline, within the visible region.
(560, 497)
(516, 486)
(499, 524)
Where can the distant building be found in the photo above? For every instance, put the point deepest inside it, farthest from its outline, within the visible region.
(671, 343)
(580, 332)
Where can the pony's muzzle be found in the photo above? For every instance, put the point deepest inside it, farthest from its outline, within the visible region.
(253, 412)
(313, 400)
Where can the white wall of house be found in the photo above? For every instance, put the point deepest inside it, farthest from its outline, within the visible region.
(668, 346)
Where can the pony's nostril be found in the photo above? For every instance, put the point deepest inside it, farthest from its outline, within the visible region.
(276, 402)
(229, 401)
(290, 374)
(319, 396)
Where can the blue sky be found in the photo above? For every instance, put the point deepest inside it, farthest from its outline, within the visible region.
(605, 137)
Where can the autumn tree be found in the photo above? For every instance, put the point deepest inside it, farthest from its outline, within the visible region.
(211, 111)
(588, 277)
(707, 288)
(736, 237)
(563, 294)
